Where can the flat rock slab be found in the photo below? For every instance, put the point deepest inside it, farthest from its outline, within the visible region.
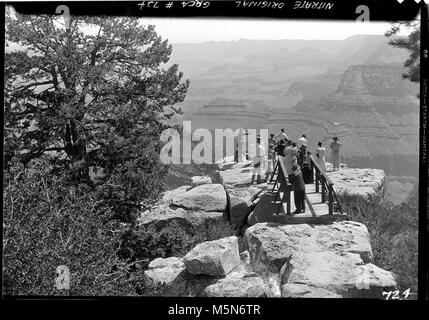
(162, 215)
(356, 181)
(238, 175)
(214, 258)
(207, 197)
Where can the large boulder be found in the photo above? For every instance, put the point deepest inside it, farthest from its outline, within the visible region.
(163, 215)
(166, 277)
(317, 260)
(239, 283)
(168, 196)
(207, 197)
(214, 258)
(241, 202)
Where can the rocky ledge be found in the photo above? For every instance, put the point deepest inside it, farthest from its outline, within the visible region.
(189, 206)
(300, 260)
(293, 261)
(357, 181)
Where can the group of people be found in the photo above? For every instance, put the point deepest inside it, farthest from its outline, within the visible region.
(296, 159)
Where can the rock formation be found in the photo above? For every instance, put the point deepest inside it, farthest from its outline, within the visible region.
(213, 258)
(318, 261)
(188, 206)
(361, 182)
(278, 260)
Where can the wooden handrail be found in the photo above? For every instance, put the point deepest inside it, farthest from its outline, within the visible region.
(284, 187)
(326, 185)
(316, 165)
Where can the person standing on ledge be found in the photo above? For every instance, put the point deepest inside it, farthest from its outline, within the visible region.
(282, 136)
(320, 156)
(272, 140)
(303, 141)
(335, 152)
(297, 181)
(271, 158)
(258, 162)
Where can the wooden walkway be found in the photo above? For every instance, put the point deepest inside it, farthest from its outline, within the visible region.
(317, 206)
(316, 211)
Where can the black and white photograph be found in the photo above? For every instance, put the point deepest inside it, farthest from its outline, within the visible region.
(251, 157)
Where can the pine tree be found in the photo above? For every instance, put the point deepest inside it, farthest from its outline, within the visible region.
(410, 43)
(95, 97)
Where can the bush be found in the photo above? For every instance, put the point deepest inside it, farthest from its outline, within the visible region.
(48, 223)
(145, 243)
(393, 232)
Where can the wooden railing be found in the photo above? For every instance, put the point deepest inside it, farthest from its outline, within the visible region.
(325, 185)
(282, 182)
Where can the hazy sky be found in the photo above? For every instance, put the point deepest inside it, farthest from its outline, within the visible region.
(200, 30)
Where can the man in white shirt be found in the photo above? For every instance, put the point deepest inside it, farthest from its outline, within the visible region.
(258, 162)
(282, 135)
(303, 141)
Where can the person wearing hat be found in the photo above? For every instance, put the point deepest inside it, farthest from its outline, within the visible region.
(297, 181)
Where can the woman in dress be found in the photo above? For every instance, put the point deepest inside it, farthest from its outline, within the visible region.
(320, 156)
(335, 153)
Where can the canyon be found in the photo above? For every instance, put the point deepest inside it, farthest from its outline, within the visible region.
(350, 88)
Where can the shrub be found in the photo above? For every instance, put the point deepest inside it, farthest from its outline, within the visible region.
(48, 223)
(147, 243)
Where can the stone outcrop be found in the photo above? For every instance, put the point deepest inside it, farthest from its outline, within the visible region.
(214, 258)
(293, 260)
(207, 197)
(163, 215)
(296, 261)
(362, 182)
(188, 206)
(319, 260)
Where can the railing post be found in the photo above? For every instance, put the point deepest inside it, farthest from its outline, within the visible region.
(330, 200)
(287, 200)
(317, 181)
(323, 189)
